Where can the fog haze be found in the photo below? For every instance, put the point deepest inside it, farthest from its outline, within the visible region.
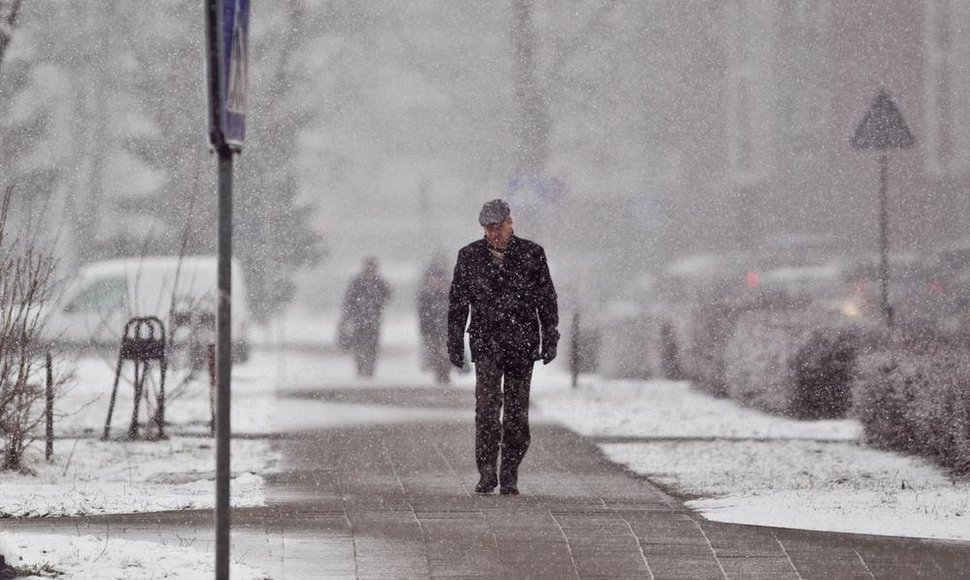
(624, 134)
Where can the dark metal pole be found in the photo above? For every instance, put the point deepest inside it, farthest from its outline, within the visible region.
(49, 409)
(211, 355)
(574, 354)
(216, 78)
(114, 395)
(884, 239)
(223, 364)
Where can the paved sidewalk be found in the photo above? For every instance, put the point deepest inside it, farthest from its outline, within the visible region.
(397, 501)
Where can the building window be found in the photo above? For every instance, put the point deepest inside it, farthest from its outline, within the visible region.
(749, 31)
(946, 87)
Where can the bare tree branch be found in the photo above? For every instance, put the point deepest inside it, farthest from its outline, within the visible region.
(25, 283)
(579, 41)
(8, 20)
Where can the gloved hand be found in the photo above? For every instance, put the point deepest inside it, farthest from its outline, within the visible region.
(457, 359)
(548, 353)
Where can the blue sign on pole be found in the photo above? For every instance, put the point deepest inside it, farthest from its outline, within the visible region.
(235, 48)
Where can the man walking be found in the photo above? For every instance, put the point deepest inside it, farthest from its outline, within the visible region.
(361, 316)
(504, 281)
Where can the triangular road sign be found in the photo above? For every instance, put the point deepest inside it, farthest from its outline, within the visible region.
(883, 126)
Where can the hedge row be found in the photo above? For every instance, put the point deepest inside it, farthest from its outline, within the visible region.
(701, 338)
(796, 362)
(911, 393)
(914, 396)
(772, 354)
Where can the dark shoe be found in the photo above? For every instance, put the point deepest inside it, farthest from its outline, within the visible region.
(6, 571)
(509, 476)
(486, 484)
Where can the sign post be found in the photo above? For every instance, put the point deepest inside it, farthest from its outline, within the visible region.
(227, 33)
(883, 128)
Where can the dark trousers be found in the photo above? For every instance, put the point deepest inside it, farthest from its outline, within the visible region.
(365, 351)
(496, 427)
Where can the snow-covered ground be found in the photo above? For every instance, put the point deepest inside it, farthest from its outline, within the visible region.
(737, 465)
(732, 464)
(88, 476)
(96, 558)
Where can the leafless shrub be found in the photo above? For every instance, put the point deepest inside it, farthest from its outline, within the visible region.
(26, 276)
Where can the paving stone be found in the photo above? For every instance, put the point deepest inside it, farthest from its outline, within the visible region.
(396, 501)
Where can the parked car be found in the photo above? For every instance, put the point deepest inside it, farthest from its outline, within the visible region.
(181, 291)
(922, 292)
(698, 297)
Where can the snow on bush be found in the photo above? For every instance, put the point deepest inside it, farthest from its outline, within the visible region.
(914, 396)
(702, 351)
(796, 362)
(630, 347)
(756, 369)
(702, 340)
(822, 372)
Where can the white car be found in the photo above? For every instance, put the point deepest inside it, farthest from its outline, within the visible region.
(181, 291)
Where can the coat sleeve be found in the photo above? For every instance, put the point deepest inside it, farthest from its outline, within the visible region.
(349, 307)
(458, 305)
(548, 305)
(424, 312)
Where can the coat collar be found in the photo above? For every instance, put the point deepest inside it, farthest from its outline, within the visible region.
(513, 242)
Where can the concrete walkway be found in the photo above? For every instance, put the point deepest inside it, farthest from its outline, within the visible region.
(397, 501)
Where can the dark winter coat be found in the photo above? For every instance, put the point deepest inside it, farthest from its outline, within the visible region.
(433, 317)
(364, 303)
(433, 310)
(513, 306)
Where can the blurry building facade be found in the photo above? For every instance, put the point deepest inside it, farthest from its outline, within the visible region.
(775, 89)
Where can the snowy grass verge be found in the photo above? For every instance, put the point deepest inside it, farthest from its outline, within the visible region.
(89, 476)
(734, 464)
(667, 409)
(840, 487)
(101, 558)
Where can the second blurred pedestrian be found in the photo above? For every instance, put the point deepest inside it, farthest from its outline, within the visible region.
(433, 320)
(363, 308)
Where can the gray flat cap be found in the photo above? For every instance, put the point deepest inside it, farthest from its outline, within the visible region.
(494, 212)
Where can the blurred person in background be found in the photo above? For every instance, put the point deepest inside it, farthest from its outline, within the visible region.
(360, 320)
(433, 320)
(503, 282)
